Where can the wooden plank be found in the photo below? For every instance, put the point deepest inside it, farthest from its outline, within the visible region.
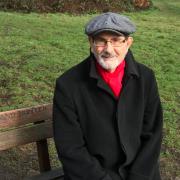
(24, 135)
(49, 175)
(23, 116)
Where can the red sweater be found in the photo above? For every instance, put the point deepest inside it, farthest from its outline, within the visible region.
(114, 79)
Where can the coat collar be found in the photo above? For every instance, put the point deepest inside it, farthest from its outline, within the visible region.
(131, 68)
(94, 74)
(131, 71)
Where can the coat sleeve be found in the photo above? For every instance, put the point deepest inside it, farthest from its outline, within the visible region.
(145, 164)
(77, 162)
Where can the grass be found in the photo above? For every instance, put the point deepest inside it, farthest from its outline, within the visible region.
(36, 48)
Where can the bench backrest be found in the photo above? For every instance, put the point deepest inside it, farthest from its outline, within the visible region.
(22, 126)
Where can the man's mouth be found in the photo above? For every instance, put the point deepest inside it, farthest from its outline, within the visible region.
(107, 57)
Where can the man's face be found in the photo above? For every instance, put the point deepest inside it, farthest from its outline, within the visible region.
(110, 49)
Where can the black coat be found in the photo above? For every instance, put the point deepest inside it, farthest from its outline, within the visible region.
(100, 137)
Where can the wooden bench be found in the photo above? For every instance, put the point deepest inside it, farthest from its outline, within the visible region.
(27, 125)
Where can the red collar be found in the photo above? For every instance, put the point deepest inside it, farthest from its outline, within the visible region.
(113, 79)
(108, 74)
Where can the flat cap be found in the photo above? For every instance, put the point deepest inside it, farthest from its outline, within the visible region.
(112, 22)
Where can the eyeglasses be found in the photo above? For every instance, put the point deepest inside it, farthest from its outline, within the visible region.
(115, 42)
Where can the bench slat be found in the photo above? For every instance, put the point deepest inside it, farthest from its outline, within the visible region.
(24, 135)
(23, 116)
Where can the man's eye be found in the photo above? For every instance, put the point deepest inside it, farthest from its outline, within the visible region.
(115, 40)
(100, 40)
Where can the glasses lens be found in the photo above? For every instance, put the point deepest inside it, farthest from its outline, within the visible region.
(100, 42)
(115, 42)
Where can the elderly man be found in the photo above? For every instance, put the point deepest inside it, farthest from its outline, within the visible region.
(107, 112)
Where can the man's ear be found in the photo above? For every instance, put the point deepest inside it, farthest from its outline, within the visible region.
(129, 41)
(90, 41)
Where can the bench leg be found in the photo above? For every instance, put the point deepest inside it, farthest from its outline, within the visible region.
(43, 155)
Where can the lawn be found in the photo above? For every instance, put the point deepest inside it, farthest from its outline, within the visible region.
(36, 48)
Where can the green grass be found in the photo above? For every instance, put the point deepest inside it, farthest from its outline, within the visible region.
(36, 48)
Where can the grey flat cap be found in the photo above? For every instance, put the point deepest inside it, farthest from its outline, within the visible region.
(109, 21)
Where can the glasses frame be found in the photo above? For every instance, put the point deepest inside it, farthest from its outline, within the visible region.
(106, 41)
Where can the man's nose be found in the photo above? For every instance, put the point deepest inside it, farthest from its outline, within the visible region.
(109, 47)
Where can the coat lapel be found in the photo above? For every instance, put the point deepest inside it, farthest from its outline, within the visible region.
(100, 82)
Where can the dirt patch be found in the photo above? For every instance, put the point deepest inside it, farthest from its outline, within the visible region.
(170, 162)
(18, 162)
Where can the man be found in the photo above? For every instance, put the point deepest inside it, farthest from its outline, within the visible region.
(107, 112)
